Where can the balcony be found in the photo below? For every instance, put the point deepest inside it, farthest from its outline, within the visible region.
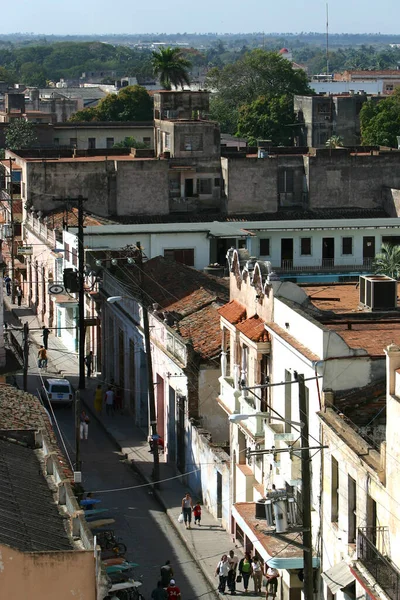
(229, 395)
(382, 570)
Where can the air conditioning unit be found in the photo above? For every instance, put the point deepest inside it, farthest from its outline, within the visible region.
(378, 292)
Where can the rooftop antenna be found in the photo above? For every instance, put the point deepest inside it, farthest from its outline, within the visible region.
(327, 39)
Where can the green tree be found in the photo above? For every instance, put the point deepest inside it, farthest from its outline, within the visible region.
(257, 74)
(267, 118)
(387, 262)
(8, 76)
(380, 122)
(130, 142)
(171, 67)
(132, 103)
(20, 134)
(335, 141)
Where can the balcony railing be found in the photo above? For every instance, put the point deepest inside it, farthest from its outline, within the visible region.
(381, 569)
(324, 265)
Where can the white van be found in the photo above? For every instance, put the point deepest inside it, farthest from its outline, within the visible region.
(58, 391)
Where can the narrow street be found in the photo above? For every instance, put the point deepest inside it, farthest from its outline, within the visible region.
(140, 522)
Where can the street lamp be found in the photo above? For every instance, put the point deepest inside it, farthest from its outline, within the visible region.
(114, 299)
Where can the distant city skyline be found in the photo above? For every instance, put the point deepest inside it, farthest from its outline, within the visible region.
(46, 17)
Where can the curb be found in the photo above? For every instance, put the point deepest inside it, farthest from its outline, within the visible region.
(158, 496)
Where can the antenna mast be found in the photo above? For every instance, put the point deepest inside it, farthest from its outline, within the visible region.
(327, 38)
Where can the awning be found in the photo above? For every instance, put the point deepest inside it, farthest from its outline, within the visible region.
(338, 577)
(65, 300)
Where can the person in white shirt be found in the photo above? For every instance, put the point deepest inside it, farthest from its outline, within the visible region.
(257, 575)
(222, 570)
(233, 564)
(272, 581)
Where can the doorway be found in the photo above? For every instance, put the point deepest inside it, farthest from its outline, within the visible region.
(287, 253)
(180, 434)
(219, 495)
(171, 426)
(160, 406)
(368, 249)
(328, 252)
(189, 188)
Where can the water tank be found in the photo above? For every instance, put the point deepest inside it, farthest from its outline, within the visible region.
(280, 513)
(260, 509)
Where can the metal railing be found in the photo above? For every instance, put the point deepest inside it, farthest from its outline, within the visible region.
(381, 569)
(324, 265)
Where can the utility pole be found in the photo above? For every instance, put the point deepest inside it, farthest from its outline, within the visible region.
(11, 192)
(306, 493)
(81, 286)
(327, 39)
(150, 381)
(78, 464)
(25, 351)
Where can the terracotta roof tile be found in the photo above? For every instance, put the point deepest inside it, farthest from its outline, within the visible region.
(292, 341)
(254, 329)
(234, 312)
(373, 337)
(202, 328)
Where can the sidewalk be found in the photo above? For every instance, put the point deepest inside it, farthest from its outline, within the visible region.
(206, 544)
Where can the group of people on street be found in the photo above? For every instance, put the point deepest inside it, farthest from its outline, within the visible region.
(18, 289)
(231, 571)
(166, 587)
(188, 509)
(112, 398)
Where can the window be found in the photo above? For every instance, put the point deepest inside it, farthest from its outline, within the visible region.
(389, 88)
(109, 142)
(74, 257)
(305, 246)
(73, 142)
(285, 181)
(192, 142)
(56, 141)
(167, 141)
(264, 247)
(91, 143)
(217, 182)
(23, 189)
(66, 251)
(334, 490)
(347, 245)
(147, 141)
(182, 255)
(204, 186)
(352, 509)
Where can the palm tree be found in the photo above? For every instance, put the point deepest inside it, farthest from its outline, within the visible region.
(171, 67)
(335, 141)
(387, 262)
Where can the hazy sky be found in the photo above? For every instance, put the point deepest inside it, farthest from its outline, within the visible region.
(171, 16)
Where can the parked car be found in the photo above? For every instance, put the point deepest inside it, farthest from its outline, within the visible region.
(58, 391)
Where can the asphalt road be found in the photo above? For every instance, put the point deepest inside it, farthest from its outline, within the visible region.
(140, 521)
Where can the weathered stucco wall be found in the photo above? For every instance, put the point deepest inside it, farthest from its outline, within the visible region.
(47, 575)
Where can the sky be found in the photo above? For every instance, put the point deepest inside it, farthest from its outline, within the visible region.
(222, 16)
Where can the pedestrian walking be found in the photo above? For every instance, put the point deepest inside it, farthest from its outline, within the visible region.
(187, 506)
(173, 592)
(245, 570)
(197, 514)
(84, 425)
(159, 593)
(42, 358)
(98, 399)
(222, 571)
(19, 295)
(167, 573)
(45, 336)
(271, 576)
(5, 332)
(257, 575)
(7, 281)
(233, 565)
(89, 364)
(109, 399)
